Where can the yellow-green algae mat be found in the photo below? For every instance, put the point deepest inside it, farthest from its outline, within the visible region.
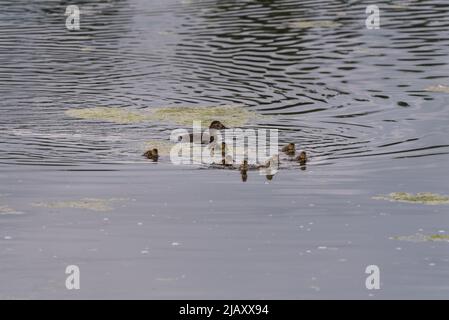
(230, 115)
(6, 210)
(421, 197)
(419, 237)
(86, 204)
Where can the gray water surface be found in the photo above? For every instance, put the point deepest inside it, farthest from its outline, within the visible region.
(354, 98)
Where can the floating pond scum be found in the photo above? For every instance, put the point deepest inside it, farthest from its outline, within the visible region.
(438, 88)
(5, 210)
(419, 237)
(230, 115)
(108, 114)
(421, 197)
(86, 204)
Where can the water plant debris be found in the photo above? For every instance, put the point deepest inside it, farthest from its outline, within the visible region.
(421, 197)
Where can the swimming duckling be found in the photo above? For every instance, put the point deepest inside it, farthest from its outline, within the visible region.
(152, 154)
(289, 149)
(302, 158)
(244, 166)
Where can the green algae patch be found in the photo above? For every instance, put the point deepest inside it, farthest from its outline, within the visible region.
(229, 115)
(6, 210)
(108, 114)
(86, 204)
(307, 24)
(419, 237)
(438, 88)
(421, 197)
(439, 237)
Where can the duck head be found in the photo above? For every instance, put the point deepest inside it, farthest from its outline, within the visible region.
(217, 125)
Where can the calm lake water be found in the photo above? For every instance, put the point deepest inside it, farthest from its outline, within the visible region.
(354, 98)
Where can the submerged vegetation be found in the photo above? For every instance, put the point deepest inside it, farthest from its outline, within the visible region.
(86, 203)
(421, 197)
(231, 115)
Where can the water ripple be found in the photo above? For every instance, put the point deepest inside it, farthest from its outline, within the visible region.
(325, 81)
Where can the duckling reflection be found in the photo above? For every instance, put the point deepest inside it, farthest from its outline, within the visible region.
(152, 154)
(244, 170)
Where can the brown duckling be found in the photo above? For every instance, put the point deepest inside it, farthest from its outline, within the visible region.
(289, 149)
(152, 154)
(302, 158)
(244, 166)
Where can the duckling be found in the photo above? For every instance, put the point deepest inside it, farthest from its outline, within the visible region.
(244, 166)
(289, 149)
(302, 158)
(152, 154)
